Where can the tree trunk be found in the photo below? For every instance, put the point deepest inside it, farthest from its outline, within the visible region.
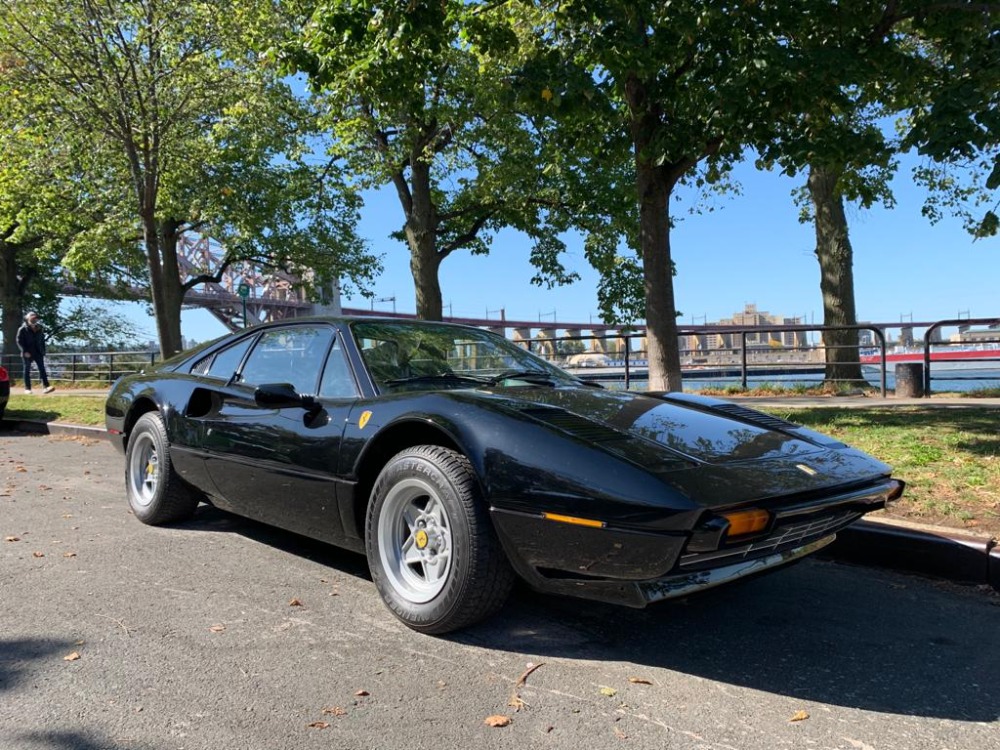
(173, 294)
(654, 185)
(421, 236)
(166, 306)
(836, 264)
(10, 297)
(657, 269)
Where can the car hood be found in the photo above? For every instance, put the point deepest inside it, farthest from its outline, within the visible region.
(702, 447)
(707, 430)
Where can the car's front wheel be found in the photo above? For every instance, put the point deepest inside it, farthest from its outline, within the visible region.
(156, 493)
(432, 551)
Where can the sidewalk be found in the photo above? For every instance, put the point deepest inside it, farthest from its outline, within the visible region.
(956, 555)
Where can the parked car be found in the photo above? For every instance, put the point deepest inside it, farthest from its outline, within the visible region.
(456, 461)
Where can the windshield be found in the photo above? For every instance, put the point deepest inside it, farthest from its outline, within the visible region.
(413, 354)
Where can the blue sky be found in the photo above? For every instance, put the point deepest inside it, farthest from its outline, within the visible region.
(750, 249)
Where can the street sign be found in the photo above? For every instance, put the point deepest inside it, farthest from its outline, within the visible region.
(243, 290)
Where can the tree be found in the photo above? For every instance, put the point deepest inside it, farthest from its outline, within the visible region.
(888, 61)
(37, 210)
(410, 105)
(955, 122)
(203, 137)
(695, 84)
(689, 84)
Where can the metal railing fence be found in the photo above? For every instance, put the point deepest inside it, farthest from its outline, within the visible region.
(628, 364)
(961, 360)
(94, 369)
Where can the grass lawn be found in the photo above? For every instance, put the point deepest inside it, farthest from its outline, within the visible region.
(86, 409)
(948, 456)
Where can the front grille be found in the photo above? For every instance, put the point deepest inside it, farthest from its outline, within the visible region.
(785, 536)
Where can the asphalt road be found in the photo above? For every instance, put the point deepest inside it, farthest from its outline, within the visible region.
(225, 634)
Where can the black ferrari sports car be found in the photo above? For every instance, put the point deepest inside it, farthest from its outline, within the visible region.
(456, 460)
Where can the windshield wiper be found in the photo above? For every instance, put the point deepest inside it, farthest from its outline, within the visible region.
(531, 376)
(436, 377)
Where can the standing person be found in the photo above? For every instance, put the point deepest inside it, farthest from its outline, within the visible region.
(31, 342)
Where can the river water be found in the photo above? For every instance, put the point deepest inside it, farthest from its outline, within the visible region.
(948, 380)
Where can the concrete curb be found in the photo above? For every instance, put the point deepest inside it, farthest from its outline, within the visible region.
(931, 550)
(55, 428)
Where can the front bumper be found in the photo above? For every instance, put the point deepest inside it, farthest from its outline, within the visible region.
(690, 583)
(636, 568)
(638, 594)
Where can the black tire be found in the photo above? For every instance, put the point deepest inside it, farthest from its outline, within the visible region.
(156, 493)
(432, 551)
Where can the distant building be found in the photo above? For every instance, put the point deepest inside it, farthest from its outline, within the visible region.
(749, 317)
(980, 336)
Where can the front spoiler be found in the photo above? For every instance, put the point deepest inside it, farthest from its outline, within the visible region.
(689, 583)
(640, 593)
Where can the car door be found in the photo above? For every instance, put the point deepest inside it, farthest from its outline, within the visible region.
(278, 464)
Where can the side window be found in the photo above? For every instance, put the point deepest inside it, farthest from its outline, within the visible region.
(288, 355)
(337, 382)
(223, 364)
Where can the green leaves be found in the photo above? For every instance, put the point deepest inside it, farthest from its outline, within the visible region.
(175, 124)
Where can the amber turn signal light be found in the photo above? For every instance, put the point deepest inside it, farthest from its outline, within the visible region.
(574, 520)
(746, 522)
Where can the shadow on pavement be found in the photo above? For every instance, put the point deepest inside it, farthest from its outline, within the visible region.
(818, 632)
(55, 740)
(16, 654)
(212, 519)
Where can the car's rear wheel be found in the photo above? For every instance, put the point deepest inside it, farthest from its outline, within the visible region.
(432, 551)
(156, 493)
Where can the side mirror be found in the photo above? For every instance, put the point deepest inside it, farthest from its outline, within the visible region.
(281, 396)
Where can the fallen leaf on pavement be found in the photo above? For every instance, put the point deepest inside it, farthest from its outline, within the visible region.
(498, 720)
(799, 716)
(69, 554)
(72, 657)
(12, 538)
(640, 681)
(319, 725)
(610, 692)
(295, 603)
(217, 628)
(515, 701)
(335, 711)
(531, 668)
(36, 553)
(362, 693)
